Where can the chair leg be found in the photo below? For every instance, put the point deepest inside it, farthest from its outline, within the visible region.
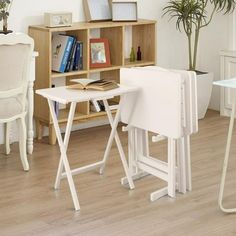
(7, 138)
(22, 143)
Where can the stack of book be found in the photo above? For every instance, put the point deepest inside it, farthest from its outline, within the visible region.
(67, 53)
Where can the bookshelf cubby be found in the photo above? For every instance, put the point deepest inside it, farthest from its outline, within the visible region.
(143, 34)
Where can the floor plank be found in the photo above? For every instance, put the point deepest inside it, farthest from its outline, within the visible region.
(30, 206)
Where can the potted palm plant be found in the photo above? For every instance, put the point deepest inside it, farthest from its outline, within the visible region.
(5, 6)
(191, 17)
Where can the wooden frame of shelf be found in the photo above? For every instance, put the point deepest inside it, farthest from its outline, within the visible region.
(143, 35)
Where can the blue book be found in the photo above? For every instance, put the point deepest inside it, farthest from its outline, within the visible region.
(61, 48)
(77, 56)
(73, 56)
(69, 61)
(81, 56)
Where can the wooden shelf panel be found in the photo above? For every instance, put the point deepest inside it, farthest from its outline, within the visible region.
(97, 70)
(101, 114)
(138, 63)
(110, 68)
(93, 25)
(71, 73)
(63, 115)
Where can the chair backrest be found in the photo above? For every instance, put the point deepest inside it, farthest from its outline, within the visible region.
(15, 57)
(157, 105)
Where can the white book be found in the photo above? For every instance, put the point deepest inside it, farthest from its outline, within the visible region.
(61, 47)
(96, 106)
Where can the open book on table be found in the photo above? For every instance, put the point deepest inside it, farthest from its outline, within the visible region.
(99, 84)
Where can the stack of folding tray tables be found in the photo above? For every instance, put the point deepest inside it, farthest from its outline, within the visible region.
(166, 105)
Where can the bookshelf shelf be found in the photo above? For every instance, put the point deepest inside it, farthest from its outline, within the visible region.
(63, 115)
(71, 73)
(143, 34)
(138, 63)
(100, 114)
(110, 68)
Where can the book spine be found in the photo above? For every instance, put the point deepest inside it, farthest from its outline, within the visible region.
(96, 105)
(66, 54)
(56, 107)
(69, 61)
(56, 104)
(81, 56)
(101, 105)
(73, 56)
(77, 55)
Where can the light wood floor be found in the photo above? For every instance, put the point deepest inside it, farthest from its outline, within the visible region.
(30, 206)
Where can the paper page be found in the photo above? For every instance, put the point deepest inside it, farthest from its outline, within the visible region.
(84, 81)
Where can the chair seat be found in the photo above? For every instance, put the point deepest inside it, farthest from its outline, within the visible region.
(10, 107)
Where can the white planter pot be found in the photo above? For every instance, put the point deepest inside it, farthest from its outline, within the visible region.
(204, 88)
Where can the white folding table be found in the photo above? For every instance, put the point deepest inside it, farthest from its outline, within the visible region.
(167, 102)
(66, 96)
(231, 84)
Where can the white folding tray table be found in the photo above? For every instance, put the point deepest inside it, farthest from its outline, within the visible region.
(66, 96)
(166, 105)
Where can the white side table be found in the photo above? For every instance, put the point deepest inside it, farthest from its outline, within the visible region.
(72, 97)
(230, 84)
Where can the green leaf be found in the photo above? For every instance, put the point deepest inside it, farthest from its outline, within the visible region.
(186, 12)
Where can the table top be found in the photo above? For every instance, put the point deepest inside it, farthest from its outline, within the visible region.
(228, 83)
(64, 95)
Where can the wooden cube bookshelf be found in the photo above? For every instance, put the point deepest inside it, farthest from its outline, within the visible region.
(143, 35)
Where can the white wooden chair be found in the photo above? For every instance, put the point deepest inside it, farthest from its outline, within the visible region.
(15, 57)
(165, 105)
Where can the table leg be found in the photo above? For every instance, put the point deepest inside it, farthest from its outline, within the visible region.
(188, 163)
(141, 146)
(115, 135)
(63, 148)
(181, 159)
(131, 149)
(225, 166)
(171, 167)
(66, 142)
(138, 145)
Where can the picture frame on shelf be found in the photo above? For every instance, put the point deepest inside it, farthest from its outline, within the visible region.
(124, 10)
(97, 10)
(99, 53)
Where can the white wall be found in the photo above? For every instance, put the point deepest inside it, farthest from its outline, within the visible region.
(171, 45)
(213, 39)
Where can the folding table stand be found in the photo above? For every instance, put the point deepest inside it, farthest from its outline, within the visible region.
(230, 84)
(65, 96)
(167, 103)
